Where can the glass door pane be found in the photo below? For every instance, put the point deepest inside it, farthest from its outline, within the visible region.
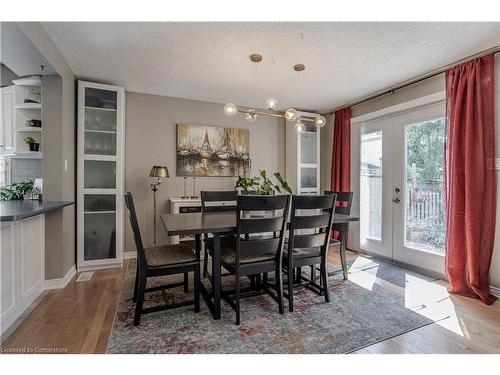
(309, 148)
(99, 174)
(99, 235)
(424, 211)
(371, 185)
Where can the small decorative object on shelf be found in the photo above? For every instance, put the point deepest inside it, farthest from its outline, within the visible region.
(194, 196)
(32, 143)
(32, 95)
(185, 196)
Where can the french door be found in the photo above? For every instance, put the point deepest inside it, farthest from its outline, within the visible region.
(401, 187)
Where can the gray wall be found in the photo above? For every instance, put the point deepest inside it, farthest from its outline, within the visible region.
(151, 140)
(426, 87)
(59, 145)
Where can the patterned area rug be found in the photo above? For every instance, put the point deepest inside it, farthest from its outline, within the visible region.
(356, 317)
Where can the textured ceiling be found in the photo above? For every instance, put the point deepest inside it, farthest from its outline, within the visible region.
(209, 61)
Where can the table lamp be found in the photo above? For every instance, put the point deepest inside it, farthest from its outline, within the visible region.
(158, 172)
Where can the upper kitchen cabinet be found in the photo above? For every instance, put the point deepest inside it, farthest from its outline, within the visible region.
(101, 134)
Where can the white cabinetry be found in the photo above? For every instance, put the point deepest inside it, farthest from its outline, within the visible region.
(22, 266)
(7, 120)
(183, 206)
(303, 166)
(101, 135)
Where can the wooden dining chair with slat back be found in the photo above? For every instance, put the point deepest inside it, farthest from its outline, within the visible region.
(161, 261)
(343, 207)
(216, 201)
(253, 255)
(308, 240)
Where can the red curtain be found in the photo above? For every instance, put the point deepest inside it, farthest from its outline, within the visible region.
(341, 155)
(469, 172)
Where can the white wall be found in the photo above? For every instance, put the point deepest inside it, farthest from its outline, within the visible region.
(151, 140)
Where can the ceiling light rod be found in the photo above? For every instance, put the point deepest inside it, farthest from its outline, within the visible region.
(251, 114)
(308, 118)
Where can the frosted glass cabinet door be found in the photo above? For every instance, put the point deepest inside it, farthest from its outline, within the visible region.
(309, 148)
(99, 174)
(99, 235)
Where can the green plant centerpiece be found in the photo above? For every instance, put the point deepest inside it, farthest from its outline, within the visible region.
(262, 184)
(16, 191)
(29, 140)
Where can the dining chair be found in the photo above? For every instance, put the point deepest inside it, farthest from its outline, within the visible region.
(161, 261)
(255, 255)
(311, 220)
(216, 201)
(343, 207)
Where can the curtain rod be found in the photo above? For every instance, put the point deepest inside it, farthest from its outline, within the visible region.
(416, 79)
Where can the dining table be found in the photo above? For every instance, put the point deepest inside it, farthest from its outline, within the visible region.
(215, 223)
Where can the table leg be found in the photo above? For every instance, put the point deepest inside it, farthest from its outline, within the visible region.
(216, 275)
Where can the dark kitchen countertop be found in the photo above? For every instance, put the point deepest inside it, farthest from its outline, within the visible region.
(22, 209)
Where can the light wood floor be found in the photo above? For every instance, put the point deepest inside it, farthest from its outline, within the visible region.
(79, 318)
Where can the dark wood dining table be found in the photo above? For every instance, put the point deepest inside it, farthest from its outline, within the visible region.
(197, 224)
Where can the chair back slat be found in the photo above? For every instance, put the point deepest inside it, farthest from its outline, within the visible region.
(262, 203)
(218, 201)
(306, 241)
(129, 202)
(272, 218)
(313, 215)
(260, 225)
(259, 246)
(344, 201)
(321, 220)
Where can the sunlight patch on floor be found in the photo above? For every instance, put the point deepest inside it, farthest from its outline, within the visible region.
(432, 301)
(364, 279)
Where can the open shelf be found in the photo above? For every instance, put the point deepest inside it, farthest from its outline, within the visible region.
(30, 106)
(101, 109)
(100, 131)
(98, 212)
(29, 129)
(27, 155)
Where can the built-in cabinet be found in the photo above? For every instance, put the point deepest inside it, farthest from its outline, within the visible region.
(18, 118)
(101, 134)
(303, 167)
(22, 266)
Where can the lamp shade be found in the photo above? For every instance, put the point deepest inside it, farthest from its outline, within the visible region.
(159, 171)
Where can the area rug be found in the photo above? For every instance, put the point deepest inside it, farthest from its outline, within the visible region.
(356, 317)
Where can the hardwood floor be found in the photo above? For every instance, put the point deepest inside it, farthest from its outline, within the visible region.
(76, 319)
(79, 318)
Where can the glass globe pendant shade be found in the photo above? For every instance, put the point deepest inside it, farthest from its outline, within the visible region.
(320, 121)
(230, 109)
(251, 116)
(272, 103)
(291, 114)
(299, 126)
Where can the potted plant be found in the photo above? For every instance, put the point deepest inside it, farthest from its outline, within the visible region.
(262, 185)
(32, 143)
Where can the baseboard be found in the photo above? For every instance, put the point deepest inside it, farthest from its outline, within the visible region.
(62, 282)
(495, 291)
(130, 254)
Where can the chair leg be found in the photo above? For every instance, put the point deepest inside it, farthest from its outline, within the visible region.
(197, 288)
(299, 274)
(279, 287)
(134, 298)
(252, 281)
(140, 299)
(205, 263)
(237, 297)
(186, 282)
(324, 277)
(290, 289)
(313, 273)
(343, 261)
(265, 277)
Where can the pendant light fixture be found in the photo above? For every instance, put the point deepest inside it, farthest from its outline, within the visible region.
(291, 114)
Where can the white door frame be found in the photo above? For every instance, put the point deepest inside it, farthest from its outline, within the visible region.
(354, 228)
